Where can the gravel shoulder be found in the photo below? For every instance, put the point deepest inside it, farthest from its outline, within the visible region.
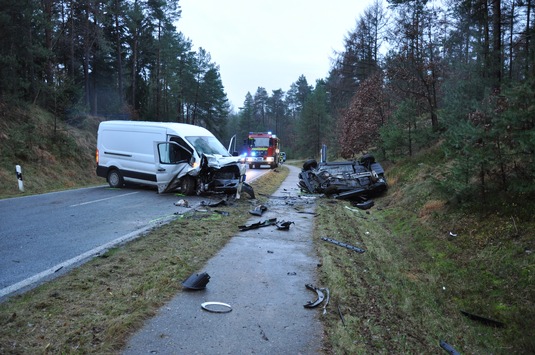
(261, 273)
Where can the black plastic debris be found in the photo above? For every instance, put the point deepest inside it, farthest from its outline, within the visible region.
(223, 213)
(366, 205)
(214, 204)
(448, 348)
(321, 298)
(258, 210)
(266, 223)
(345, 245)
(484, 320)
(284, 225)
(197, 281)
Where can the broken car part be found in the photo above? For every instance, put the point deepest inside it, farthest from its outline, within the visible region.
(318, 300)
(197, 281)
(216, 307)
(366, 205)
(326, 290)
(266, 223)
(284, 225)
(448, 348)
(258, 210)
(486, 321)
(345, 245)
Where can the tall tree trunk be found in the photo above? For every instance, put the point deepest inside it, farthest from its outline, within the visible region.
(119, 54)
(496, 58)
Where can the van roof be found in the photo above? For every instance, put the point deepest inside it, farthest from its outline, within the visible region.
(182, 129)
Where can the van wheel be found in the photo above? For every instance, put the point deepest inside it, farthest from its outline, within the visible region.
(115, 179)
(187, 185)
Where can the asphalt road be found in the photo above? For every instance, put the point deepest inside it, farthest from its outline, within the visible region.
(42, 236)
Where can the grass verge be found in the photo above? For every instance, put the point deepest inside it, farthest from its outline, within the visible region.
(94, 308)
(407, 291)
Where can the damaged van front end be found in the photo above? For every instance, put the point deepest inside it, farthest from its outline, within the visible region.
(222, 175)
(195, 172)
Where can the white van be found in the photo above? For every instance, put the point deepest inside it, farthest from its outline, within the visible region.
(167, 155)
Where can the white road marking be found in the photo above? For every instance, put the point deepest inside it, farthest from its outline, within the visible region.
(102, 199)
(78, 259)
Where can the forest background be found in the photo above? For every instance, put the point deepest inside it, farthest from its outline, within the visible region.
(413, 74)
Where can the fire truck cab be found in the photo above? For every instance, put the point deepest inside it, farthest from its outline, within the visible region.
(261, 148)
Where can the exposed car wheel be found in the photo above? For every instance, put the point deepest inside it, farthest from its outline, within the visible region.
(115, 179)
(187, 185)
(367, 160)
(310, 164)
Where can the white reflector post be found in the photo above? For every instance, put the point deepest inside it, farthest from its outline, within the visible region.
(19, 177)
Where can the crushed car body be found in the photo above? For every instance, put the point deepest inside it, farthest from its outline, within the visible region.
(351, 180)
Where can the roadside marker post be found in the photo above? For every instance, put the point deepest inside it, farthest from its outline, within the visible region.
(18, 169)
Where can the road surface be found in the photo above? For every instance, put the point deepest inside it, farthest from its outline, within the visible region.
(42, 236)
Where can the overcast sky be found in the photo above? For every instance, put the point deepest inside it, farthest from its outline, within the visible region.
(269, 43)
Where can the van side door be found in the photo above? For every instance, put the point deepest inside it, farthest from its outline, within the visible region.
(172, 163)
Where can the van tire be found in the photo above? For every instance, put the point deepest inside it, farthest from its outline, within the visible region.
(187, 185)
(115, 178)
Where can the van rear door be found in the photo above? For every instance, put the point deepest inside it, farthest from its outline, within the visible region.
(172, 163)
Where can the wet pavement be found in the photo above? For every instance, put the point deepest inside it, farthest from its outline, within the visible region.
(261, 273)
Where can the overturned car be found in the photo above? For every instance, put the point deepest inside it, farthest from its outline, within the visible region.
(352, 180)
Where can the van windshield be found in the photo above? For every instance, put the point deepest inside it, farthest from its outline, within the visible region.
(208, 145)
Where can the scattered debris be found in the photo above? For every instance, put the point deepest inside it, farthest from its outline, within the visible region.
(326, 290)
(366, 205)
(448, 348)
(486, 321)
(270, 251)
(284, 225)
(197, 281)
(216, 307)
(453, 234)
(215, 204)
(223, 213)
(258, 210)
(348, 246)
(182, 203)
(292, 273)
(319, 299)
(266, 223)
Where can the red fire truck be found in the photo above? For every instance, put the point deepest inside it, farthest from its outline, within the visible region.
(261, 148)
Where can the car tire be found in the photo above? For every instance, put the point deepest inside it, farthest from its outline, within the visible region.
(310, 164)
(187, 185)
(115, 178)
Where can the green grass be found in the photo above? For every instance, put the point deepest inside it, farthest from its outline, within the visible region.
(405, 293)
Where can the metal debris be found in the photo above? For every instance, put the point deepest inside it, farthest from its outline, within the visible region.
(266, 223)
(345, 245)
(319, 299)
